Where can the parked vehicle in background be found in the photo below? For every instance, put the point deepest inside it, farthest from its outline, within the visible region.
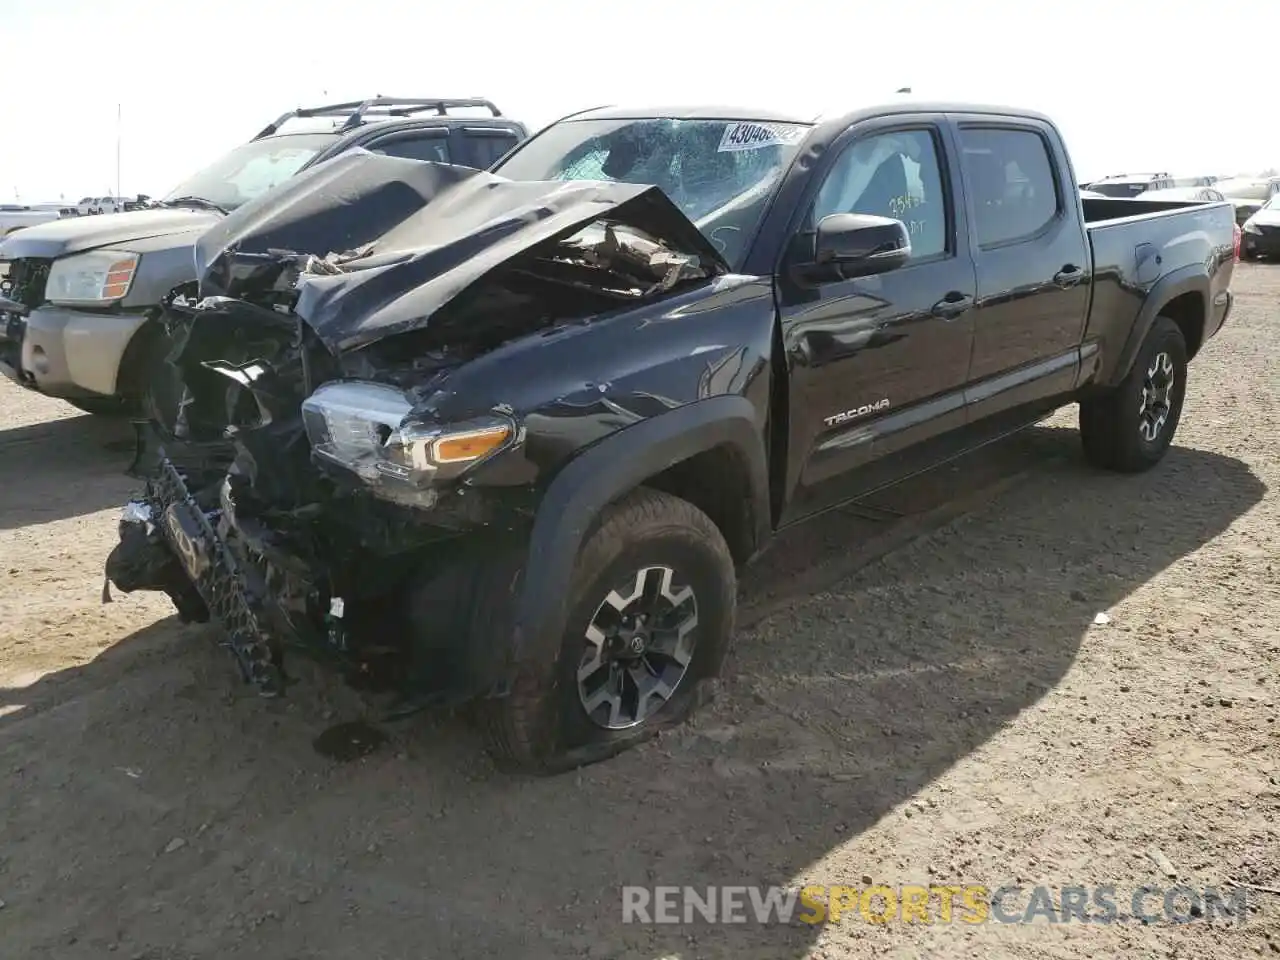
(1248, 194)
(60, 208)
(89, 206)
(515, 446)
(17, 216)
(1190, 194)
(1131, 184)
(1261, 232)
(84, 296)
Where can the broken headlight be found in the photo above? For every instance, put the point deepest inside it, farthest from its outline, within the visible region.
(363, 428)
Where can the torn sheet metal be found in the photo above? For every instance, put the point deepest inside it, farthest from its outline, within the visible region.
(373, 246)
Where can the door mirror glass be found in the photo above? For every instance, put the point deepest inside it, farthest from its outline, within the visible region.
(849, 245)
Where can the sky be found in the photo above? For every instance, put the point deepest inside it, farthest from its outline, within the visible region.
(1133, 85)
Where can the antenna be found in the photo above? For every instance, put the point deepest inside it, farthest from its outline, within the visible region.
(117, 153)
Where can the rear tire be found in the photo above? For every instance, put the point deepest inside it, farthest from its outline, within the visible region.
(651, 608)
(1129, 428)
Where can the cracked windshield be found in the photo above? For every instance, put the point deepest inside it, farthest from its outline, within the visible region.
(720, 173)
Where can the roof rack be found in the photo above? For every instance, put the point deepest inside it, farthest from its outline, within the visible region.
(358, 111)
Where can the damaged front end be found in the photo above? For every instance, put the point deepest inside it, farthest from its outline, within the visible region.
(323, 466)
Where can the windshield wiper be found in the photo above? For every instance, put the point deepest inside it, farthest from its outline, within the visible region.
(199, 202)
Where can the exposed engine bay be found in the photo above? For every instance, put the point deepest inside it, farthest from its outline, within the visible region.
(323, 459)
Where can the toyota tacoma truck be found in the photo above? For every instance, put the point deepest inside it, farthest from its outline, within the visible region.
(506, 437)
(80, 307)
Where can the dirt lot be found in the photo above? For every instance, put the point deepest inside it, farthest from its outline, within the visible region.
(912, 699)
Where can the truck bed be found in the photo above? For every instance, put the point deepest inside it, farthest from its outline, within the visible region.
(1123, 208)
(1139, 243)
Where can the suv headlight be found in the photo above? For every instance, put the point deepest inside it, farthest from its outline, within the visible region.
(1250, 226)
(361, 427)
(98, 277)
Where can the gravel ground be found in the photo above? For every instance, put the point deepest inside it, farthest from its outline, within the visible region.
(936, 706)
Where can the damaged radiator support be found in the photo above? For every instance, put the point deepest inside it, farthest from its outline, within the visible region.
(217, 577)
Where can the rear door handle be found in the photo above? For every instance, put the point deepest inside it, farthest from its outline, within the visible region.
(1068, 276)
(952, 305)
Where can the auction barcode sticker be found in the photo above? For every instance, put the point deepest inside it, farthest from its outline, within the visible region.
(753, 136)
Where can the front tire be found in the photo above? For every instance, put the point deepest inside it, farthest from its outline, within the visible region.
(1130, 427)
(651, 611)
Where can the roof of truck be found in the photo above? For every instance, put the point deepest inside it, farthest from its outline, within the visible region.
(687, 112)
(774, 115)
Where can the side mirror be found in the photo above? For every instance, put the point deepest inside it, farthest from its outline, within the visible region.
(849, 245)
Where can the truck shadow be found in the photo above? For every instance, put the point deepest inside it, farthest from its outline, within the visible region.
(63, 468)
(839, 706)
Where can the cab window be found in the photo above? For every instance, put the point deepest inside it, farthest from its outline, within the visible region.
(431, 147)
(489, 148)
(1011, 181)
(895, 175)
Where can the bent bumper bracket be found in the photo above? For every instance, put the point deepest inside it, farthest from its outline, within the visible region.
(218, 578)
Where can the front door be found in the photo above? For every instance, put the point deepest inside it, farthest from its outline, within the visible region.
(878, 364)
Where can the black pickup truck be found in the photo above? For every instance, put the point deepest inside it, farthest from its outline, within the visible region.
(506, 436)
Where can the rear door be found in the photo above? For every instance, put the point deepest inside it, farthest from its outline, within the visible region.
(878, 364)
(1033, 278)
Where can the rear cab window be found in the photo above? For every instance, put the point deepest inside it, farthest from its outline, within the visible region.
(1012, 183)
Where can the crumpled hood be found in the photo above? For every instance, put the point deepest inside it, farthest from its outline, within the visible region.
(1267, 218)
(77, 234)
(403, 238)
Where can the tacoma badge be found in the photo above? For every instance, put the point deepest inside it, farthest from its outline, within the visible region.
(856, 412)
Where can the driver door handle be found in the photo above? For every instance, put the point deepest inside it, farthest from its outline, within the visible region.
(1068, 276)
(952, 305)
